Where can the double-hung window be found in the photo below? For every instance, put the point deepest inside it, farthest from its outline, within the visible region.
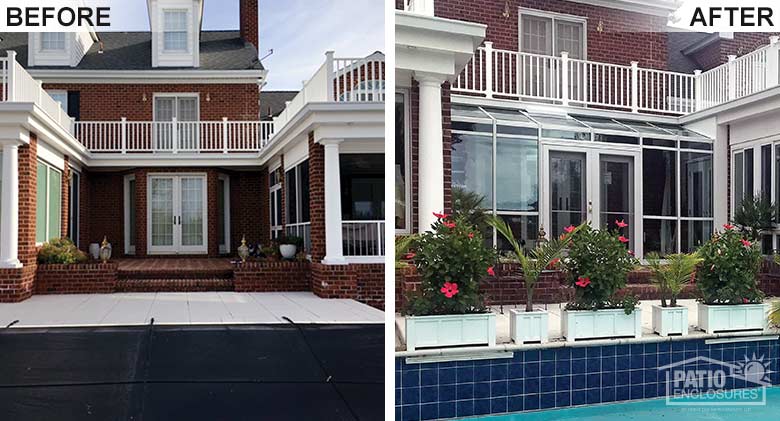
(48, 217)
(296, 184)
(175, 30)
(52, 41)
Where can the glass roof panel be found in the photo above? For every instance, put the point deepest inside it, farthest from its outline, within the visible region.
(466, 111)
(645, 129)
(603, 123)
(547, 120)
(681, 131)
(508, 115)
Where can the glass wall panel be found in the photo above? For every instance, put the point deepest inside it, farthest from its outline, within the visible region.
(694, 234)
(472, 164)
(766, 171)
(696, 184)
(660, 236)
(401, 146)
(517, 176)
(739, 171)
(524, 227)
(568, 195)
(660, 182)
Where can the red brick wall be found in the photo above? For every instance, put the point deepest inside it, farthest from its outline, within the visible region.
(110, 102)
(625, 36)
(248, 208)
(717, 52)
(317, 198)
(371, 284)
(90, 278)
(272, 276)
(247, 16)
(362, 282)
(103, 213)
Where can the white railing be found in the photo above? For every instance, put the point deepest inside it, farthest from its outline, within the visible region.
(363, 238)
(423, 7)
(504, 74)
(302, 230)
(339, 80)
(174, 136)
(19, 86)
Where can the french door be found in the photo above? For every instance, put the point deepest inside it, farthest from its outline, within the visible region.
(594, 184)
(181, 135)
(177, 214)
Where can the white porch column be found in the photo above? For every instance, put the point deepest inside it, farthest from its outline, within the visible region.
(9, 215)
(431, 155)
(334, 254)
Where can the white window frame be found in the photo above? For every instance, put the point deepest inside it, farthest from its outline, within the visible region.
(186, 31)
(126, 193)
(44, 41)
(74, 236)
(554, 18)
(275, 188)
(225, 248)
(176, 96)
(408, 160)
(49, 167)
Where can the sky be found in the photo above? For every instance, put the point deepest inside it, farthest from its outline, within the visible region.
(299, 31)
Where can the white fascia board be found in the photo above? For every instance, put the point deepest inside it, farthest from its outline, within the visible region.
(750, 106)
(433, 23)
(649, 7)
(408, 60)
(347, 133)
(149, 76)
(118, 160)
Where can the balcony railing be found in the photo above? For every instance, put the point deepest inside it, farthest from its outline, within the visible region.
(423, 7)
(363, 238)
(16, 85)
(495, 73)
(173, 136)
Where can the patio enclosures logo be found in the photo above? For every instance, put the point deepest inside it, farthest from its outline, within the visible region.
(727, 16)
(703, 381)
(53, 15)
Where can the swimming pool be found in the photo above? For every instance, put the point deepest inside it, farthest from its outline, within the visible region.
(651, 410)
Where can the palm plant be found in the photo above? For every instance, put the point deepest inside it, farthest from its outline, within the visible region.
(402, 246)
(672, 276)
(468, 205)
(755, 214)
(774, 314)
(535, 261)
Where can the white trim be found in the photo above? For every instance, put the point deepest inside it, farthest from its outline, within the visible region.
(408, 163)
(661, 8)
(149, 76)
(364, 259)
(175, 96)
(129, 249)
(275, 189)
(225, 248)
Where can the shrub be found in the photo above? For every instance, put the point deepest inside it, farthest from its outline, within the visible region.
(596, 267)
(61, 251)
(672, 276)
(451, 260)
(754, 215)
(470, 206)
(729, 269)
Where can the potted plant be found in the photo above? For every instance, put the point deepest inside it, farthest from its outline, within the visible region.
(670, 278)
(288, 246)
(532, 325)
(728, 284)
(596, 267)
(60, 251)
(448, 309)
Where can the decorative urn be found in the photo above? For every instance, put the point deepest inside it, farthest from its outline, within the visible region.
(243, 249)
(105, 250)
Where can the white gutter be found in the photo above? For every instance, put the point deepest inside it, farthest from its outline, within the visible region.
(148, 76)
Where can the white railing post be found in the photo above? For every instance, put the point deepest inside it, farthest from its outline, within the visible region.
(698, 95)
(330, 76)
(488, 69)
(123, 128)
(11, 78)
(565, 78)
(732, 75)
(174, 135)
(635, 86)
(773, 62)
(224, 135)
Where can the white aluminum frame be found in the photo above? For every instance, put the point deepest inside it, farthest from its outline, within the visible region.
(408, 162)
(129, 249)
(225, 248)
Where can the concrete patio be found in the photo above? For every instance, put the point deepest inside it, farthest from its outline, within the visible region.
(184, 308)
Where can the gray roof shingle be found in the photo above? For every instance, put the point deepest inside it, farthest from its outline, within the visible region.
(219, 50)
(272, 103)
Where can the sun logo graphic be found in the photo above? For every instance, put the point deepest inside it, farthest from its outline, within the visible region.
(703, 381)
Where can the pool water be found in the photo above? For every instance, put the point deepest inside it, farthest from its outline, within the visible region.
(653, 410)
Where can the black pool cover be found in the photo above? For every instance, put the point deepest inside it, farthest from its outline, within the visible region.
(245, 372)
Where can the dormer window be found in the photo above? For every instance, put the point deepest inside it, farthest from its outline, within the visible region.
(52, 41)
(175, 30)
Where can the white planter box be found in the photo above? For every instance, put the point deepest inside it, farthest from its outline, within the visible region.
(527, 327)
(724, 318)
(610, 323)
(450, 330)
(670, 320)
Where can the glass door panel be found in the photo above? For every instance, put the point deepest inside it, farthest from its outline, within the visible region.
(568, 191)
(187, 115)
(616, 175)
(164, 111)
(192, 212)
(162, 213)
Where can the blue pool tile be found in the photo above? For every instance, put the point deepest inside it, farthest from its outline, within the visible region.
(579, 352)
(531, 370)
(607, 379)
(481, 406)
(593, 351)
(448, 364)
(411, 395)
(622, 378)
(447, 393)
(677, 357)
(562, 367)
(498, 405)
(728, 355)
(517, 357)
(594, 380)
(499, 372)
(664, 359)
(447, 376)
(579, 397)
(429, 411)
(651, 375)
(678, 346)
(410, 378)
(464, 374)
(622, 350)
(594, 396)
(562, 399)
(429, 394)
(399, 413)
(661, 389)
(622, 394)
(637, 391)
(578, 366)
(465, 391)
(547, 384)
(608, 363)
(664, 346)
(410, 413)
(515, 371)
(482, 373)
(498, 388)
(608, 394)
(637, 349)
(637, 377)
(531, 356)
(563, 383)
(651, 390)
(480, 363)
(398, 397)
(594, 364)
(515, 403)
(547, 368)
(429, 376)
(447, 410)
(547, 355)
(622, 363)
(547, 400)
(651, 360)
(690, 355)
(465, 408)
(482, 390)
(398, 363)
(515, 387)
(651, 348)
(531, 385)
(691, 345)
(562, 354)
(579, 381)
(609, 350)
(530, 402)
(636, 361)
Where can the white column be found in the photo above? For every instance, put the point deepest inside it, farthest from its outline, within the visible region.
(9, 216)
(334, 254)
(431, 155)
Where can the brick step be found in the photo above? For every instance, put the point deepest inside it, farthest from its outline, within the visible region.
(175, 285)
(193, 274)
